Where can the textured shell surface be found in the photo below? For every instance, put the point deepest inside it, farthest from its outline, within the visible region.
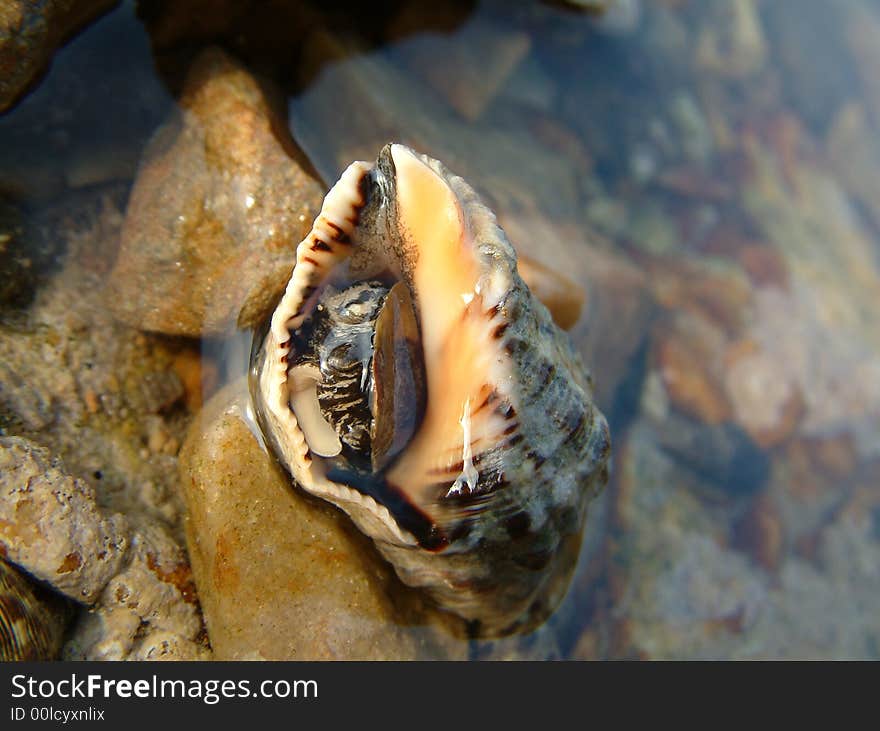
(409, 376)
(32, 619)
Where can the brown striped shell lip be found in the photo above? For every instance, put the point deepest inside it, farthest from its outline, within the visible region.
(405, 215)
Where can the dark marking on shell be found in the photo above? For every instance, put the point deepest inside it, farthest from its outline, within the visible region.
(518, 525)
(32, 618)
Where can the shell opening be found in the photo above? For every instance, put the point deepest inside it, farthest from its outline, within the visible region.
(355, 375)
(391, 329)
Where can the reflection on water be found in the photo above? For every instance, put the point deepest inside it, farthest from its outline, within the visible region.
(709, 172)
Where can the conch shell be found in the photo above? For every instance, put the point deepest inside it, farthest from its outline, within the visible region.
(409, 377)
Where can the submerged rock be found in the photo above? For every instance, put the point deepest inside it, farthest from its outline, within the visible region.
(93, 414)
(217, 209)
(148, 611)
(31, 32)
(132, 574)
(477, 61)
(282, 576)
(51, 526)
(13, 257)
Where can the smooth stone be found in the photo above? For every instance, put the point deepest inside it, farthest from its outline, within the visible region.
(281, 575)
(222, 199)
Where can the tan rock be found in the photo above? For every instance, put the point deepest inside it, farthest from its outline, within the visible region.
(216, 212)
(148, 611)
(51, 526)
(685, 359)
(132, 573)
(279, 574)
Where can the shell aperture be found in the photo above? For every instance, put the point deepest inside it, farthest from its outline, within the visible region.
(409, 377)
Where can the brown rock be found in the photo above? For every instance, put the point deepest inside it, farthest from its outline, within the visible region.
(760, 533)
(764, 265)
(198, 374)
(721, 297)
(31, 32)
(279, 574)
(216, 212)
(476, 61)
(559, 294)
(685, 361)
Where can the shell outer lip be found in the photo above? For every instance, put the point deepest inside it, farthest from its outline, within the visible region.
(408, 516)
(404, 522)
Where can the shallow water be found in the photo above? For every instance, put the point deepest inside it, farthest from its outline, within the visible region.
(709, 172)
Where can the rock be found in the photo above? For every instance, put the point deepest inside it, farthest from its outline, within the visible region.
(468, 68)
(761, 534)
(78, 388)
(682, 588)
(691, 127)
(731, 43)
(560, 295)
(51, 526)
(497, 156)
(25, 256)
(855, 156)
(88, 388)
(281, 575)
(825, 607)
(817, 329)
(722, 456)
(677, 589)
(685, 356)
(31, 32)
(14, 262)
(148, 611)
(220, 203)
(134, 577)
(862, 24)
